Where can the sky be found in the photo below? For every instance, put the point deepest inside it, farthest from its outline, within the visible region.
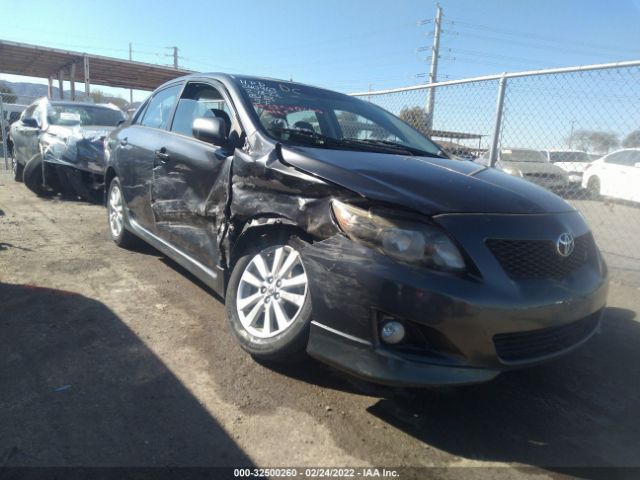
(346, 45)
(363, 45)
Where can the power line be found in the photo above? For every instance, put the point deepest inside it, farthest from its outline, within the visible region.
(543, 38)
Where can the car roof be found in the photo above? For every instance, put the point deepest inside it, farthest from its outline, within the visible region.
(565, 151)
(67, 103)
(227, 78)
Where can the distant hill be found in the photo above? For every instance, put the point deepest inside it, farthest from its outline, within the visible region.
(27, 92)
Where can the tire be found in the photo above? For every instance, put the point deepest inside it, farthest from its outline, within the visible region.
(275, 327)
(593, 187)
(32, 177)
(18, 170)
(116, 217)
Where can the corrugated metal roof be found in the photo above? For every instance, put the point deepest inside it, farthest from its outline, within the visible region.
(43, 62)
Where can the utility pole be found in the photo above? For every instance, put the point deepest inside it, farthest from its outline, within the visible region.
(433, 71)
(175, 57)
(573, 122)
(130, 90)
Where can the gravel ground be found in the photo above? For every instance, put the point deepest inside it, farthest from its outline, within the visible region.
(120, 358)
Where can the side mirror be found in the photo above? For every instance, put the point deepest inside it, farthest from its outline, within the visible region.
(31, 122)
(210, 130)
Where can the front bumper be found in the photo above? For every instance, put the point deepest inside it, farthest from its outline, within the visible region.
(458, 319)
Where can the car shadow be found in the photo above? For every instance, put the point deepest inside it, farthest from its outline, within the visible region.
(579, 411)
(80, 388)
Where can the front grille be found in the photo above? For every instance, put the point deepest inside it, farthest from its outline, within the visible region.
(526, 346)
(539, 259)
(543, 176)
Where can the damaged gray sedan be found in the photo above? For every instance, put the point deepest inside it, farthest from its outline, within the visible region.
(59, 147)
(333, 228)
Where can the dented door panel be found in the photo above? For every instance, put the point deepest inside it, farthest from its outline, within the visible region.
(189, 195)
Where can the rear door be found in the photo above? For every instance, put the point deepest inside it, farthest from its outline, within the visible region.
(136, 153)
(191, 178)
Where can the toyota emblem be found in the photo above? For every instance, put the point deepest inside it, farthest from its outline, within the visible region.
(565, 244)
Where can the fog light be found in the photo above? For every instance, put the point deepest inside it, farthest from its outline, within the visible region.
(392, 332)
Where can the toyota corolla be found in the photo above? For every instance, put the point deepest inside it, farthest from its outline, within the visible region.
(332, 227)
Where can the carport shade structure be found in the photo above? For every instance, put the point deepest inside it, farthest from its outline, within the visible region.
(43, 62)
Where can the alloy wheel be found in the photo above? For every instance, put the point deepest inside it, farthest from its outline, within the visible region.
(272, 291)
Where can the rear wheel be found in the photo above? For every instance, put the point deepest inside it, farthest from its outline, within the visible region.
(268, 302)
(593, 187)
(115, 215)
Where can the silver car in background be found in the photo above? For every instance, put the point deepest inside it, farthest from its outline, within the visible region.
(532, 165)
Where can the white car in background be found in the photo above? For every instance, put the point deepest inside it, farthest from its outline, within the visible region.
(574, 162)
(616, 175)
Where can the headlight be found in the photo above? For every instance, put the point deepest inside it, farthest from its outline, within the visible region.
(403, 240)
(512, 171)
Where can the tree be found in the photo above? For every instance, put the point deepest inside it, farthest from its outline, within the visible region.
(7, 94)
(593, 140)
(416, 117)
(632, 140)
(99, 96)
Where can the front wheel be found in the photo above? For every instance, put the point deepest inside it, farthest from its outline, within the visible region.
(593, 187)
(33, 179)
(268, 302)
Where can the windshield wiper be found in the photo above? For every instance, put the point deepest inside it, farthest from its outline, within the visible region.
(322, 139)
(399, 146)
(350, 143)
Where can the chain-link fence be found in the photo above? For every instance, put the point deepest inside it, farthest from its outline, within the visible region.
(574, 131)
(11, 107)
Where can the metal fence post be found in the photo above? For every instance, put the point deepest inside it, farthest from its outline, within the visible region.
(4, 136)
(493, 153)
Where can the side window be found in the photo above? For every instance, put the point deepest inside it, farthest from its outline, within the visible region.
(356, 126)
(633, 158)
(158, 112)
(199, 100)
(140, 113)
(305, 119)
(618, 158)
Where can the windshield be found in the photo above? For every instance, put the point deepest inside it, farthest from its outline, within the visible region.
(569, 157)
(522, 156)
(312, 116)
(83, 115)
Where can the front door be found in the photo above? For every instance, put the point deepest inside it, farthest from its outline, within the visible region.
(191, 178)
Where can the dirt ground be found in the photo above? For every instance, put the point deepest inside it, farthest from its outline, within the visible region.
(111, 357)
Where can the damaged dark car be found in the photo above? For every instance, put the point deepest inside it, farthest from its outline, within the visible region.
(333, 228)
(59, 147)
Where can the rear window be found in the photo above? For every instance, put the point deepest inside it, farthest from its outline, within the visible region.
(522, 156)
(70, 115)
(569, 157)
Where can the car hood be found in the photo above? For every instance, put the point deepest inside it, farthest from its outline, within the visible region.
(532, 167)
(425, 184)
